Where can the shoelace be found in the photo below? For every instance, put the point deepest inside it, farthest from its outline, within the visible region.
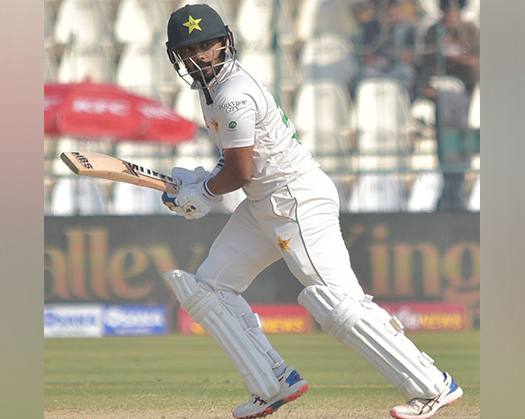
(423, 405)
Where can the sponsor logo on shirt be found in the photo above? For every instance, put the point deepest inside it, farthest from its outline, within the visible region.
(233, 105)
(232, 124)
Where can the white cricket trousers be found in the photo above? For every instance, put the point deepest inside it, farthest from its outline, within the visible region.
(299, 223)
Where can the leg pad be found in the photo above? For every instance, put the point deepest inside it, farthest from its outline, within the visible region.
(229, 319)
(378, 336)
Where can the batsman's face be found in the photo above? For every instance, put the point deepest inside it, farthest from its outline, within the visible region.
(203, 57)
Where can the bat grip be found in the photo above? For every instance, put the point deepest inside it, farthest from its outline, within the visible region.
(173, 188)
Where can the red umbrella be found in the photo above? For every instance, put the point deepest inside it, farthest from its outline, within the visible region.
(93, 110)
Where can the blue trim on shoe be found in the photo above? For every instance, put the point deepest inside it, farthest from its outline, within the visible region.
(453, 386)
(293, 378)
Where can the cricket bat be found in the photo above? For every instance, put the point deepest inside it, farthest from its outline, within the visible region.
(108, 167)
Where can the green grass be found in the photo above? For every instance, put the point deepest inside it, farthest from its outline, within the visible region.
(179, 376)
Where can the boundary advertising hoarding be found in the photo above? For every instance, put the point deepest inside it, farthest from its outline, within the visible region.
(274, 318)
(73, 320)
(290, 318)
(134, 320)
(429, 258)
(429, 316)
(97, 320)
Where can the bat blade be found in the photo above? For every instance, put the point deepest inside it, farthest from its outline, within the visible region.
(103, 166)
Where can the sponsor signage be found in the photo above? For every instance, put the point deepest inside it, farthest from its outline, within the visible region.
(275, 318)
(94, 320)
(134, 320)
(432, 257)
(73, 320)
(429, 316)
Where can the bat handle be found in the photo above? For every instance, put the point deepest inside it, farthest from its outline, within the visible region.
(173, 188)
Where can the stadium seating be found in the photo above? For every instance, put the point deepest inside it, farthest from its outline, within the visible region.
(327, 56)
(474, 115)
(130, 199)
(198, 148)
(382, 125)
(255, 19)
(321, 117)
(140, 69)
(77, 195)
(324, 16)
(377, 193)
(50, 66)
(369, 143)
(188, 105)
(425, 192)
(382, 116)
(474, 199)
(79, 63)
(141, 21)
(428, 182)
(471, 12)
(82, 22)
(262, 65)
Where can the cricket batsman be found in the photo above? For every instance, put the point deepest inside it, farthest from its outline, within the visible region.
(291, 212)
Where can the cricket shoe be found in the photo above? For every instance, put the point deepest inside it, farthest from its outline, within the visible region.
(292, 387)
(426, 408)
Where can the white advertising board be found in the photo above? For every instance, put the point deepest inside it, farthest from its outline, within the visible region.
(73, 320)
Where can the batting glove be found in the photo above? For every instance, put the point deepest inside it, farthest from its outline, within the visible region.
(196, 200)
(185, 177)
(170, 201)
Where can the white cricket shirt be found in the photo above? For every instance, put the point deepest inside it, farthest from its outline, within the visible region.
(244, 113)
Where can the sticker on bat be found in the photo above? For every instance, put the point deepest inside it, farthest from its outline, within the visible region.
(133, 168)
(82, 160)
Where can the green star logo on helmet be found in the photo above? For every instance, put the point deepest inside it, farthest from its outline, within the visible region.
(192, 24)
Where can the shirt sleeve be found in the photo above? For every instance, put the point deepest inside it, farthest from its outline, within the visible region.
(237, 117)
